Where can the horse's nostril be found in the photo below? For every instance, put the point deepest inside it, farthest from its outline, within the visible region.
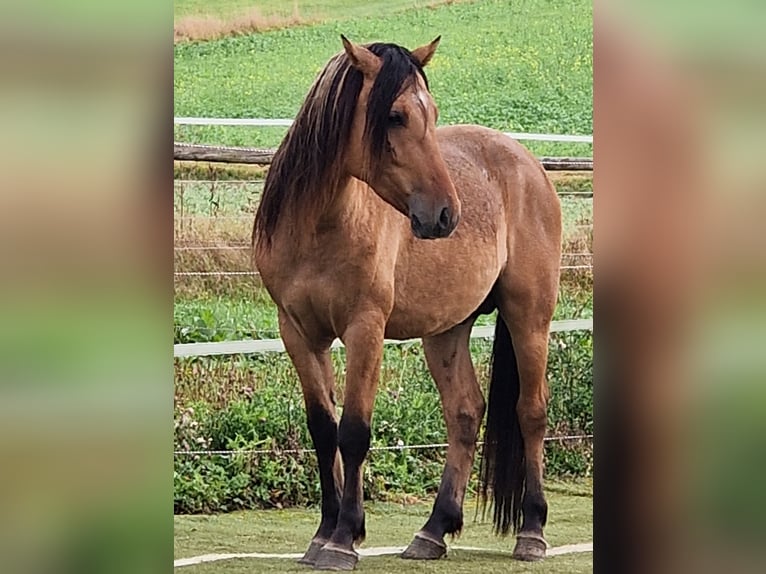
(414, 222)
(444, 218)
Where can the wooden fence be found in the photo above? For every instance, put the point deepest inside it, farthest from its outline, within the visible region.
(262, 156)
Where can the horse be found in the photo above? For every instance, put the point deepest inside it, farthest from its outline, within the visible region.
(375, 224)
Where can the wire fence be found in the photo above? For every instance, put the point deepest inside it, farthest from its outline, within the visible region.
(257, 274)
(209, 203)
(235, 247)
(256, 186)
(372, 449)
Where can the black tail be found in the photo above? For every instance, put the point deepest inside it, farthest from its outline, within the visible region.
(503, 469)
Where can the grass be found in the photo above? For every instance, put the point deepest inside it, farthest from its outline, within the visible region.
(208, 317)
(518, 67)
(459, 562)
(222, 379)
(284, 531)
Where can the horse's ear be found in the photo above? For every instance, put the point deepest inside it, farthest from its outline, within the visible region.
(361, 58)
(425, 53)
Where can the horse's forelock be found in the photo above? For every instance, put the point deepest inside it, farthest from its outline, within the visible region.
(398, 72)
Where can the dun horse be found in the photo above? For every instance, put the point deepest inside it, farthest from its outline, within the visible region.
(374, 223)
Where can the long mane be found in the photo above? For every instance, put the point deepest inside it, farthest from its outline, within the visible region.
(307, 169)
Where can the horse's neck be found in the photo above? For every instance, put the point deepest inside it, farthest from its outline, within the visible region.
(352, 211)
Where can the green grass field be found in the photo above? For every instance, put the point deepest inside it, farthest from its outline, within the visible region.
(284, 531)
(512, 66)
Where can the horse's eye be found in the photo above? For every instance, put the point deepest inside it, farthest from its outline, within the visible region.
(395, 120)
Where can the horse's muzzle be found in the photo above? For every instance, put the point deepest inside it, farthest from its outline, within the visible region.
(434, 220)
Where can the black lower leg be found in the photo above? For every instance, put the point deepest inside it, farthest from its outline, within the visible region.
(354, 442)
(447, 514)
(324, 433)
(534, 507)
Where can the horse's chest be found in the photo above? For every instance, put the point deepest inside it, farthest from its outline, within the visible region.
(322, 295)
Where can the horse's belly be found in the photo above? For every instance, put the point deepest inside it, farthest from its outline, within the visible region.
(441, 283)
(450, 301)
(405, 324)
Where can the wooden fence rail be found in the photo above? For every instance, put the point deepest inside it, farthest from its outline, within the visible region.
(261, 156)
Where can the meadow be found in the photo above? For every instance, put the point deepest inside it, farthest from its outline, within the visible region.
(522, 66)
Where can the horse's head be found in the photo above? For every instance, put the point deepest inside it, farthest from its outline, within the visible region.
(393, 145)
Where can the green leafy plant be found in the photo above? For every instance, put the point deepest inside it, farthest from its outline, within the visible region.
(265, 423)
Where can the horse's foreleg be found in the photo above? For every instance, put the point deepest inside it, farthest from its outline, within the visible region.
(318, 383)
(449, 361)
(364, 350)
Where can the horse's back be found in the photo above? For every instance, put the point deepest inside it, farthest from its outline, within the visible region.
(501, 158)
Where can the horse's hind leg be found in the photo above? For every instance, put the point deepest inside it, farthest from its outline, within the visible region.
(531, 354)
(527, 316)
(318, 383)
(449, 361)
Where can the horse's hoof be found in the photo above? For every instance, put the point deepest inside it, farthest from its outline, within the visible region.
(530, 547)
(310, 557)
(335, 558)
(422, 548)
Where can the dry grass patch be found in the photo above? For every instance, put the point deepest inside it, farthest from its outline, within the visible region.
(273, 15)
(217, 170)
(205, 27)
(222, 245)
(213, 244)
(570, 178)
(214, 220)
